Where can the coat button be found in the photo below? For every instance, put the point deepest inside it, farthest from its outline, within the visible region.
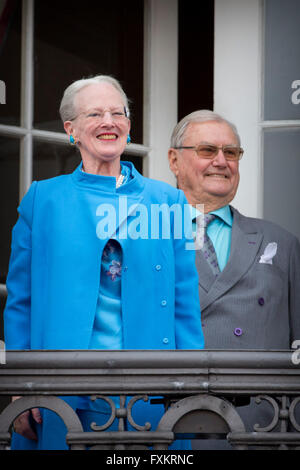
(158, 267)
(163, 303)
(261, 301)
(165, 340)
(238, 331)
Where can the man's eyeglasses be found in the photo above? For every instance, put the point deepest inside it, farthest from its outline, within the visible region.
(98, 115)
(230, 152)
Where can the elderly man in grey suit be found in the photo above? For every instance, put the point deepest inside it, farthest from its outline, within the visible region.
(249, 276)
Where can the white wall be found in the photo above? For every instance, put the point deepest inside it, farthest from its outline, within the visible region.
(237, 89)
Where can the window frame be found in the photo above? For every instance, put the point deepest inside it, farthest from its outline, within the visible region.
(159, 107)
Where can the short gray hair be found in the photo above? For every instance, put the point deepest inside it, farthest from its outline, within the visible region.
(203, 115)
(67, 109)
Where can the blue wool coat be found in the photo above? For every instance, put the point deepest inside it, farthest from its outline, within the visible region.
(54, 272)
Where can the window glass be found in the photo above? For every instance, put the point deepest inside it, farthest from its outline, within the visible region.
(195, 55)
(281, 171)
(9, 190)
(282, 60)
(73, 41)
(10, 60)
(51, 159)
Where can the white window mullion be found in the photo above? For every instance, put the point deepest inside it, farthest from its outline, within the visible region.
(280, 124)
(27, 96)
(238, 88)
(160, 84)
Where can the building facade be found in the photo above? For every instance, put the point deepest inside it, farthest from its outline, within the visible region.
(237, 57)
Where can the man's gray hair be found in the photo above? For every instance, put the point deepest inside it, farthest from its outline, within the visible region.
(203, 115)
(67, 108)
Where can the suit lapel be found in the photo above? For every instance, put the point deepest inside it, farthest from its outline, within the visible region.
(206, 277)
(245, 243)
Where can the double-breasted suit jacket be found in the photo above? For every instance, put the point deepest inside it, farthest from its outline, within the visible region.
(254, 303)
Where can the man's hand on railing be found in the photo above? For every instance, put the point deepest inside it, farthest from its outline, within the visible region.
(23, 423)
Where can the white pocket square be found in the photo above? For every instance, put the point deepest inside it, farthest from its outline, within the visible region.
(269, 253)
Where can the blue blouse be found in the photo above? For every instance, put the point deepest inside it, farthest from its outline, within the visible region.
(107, 330)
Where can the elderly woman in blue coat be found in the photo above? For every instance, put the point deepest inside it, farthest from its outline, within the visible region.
(88, 249)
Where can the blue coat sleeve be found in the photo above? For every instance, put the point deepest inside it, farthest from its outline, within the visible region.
(18, 282)
(188, 329)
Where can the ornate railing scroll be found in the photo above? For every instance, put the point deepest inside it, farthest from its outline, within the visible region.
(205, 394)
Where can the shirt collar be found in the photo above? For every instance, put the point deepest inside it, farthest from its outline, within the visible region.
(223, 213)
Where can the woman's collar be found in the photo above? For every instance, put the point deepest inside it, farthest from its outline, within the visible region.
(134, 180)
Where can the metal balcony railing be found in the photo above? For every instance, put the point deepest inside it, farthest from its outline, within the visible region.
(203, 392)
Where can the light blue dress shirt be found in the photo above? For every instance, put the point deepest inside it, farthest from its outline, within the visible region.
(219, 231)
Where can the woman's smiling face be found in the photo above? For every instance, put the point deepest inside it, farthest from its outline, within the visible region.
(101, 126)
